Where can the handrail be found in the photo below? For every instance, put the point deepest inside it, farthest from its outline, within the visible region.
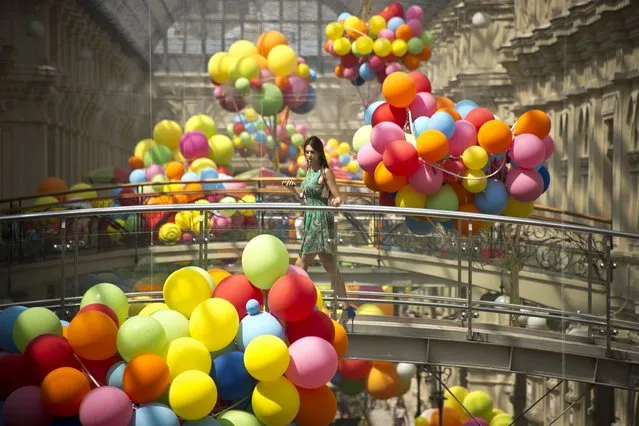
(373, 210)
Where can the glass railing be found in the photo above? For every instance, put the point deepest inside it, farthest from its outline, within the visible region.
(467, 270)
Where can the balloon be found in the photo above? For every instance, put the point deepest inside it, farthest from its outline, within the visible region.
(101, 308)
(292, 297)
(115, 374)
(383, 382)
(63, 390)
(167, 132)
(313, 362)
(201, 123)
(93, 335)
(264, 260)
(383, 134)
(146, 377)
(386, 181)
(275, 402)
(187, 287)
(528, 151)
(475, 157)
(549, 147)
(399, 88)
(524, 185)
(493, 199)
(479, 116)
(444, 199)
(478, 404)
(175, 324)
(474, 181)
(340, 342)
(317, 407)
(545, 176)
(214, 322)
(238, 290)
(517, 208)
(535, 122)
(232, 378)
(453, 394)
(48, 352)
(316, 324)
(7, 320)
(354, 369)
(432, 146)
(400, 158)
(139, 335)
(154, 414)
(443, 122)
(368, 158)
(266, 358)
(32, 323)
(110, 295)
(106, 406)
(387, 112)
(187, 353)
(256, 324)
(206, 421)
(464, 137)
(449, 417)
(406, 371)
(410, 198)
(501, 419)
(193, 395)
(426, 179)
(24, 407)
(418, 226)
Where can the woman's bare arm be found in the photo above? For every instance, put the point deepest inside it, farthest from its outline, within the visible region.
(332, 186)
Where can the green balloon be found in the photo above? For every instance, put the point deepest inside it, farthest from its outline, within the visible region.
(32, 323)
(270, 142)
(158, 154)
(297, 140)
(301, 172)
(238, 418)
(175, 324)
(269, 100)
(427, 38)
(501, 420)
(264, 260)
(415, 46)
(110, 295)
(260, 125)
(444, 199)
(141, 335)
(351, 387)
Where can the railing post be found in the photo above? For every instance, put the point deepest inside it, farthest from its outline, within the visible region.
(609, 266)
(63, 248)
(201, 240)
(469, 295)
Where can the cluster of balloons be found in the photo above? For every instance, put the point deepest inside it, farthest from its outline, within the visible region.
(477, 403)
(340, 157)
(271, 72)
(210, 354)
(377, 48)
(382, 380)
(455, 156)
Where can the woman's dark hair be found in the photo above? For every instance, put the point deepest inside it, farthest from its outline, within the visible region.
(318, 146)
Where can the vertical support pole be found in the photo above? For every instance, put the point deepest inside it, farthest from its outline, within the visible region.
(469, 295)
(63, 247)
(609, 264)
(201, 240)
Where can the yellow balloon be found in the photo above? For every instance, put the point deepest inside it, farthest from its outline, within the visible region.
(152, 308)
(246, 67)
(303, 70)
(193, 395)
(477, 181)
(218, 275)
(187, 353)
(352, 166)
(250, 114)
(248, 198)
(200, 164)
(177, 156)
(361, 137)
(214, 322)
(320, 299)
(460, 393)
(221, 149)
(282, 60)
(186, 288)
(219, 67)
(354, 26)
(184, 220)
(516, 208)
(343, 148)
(420, 421)
(369, 309)
(399, 47)
(142, 147)
(334, 30)
(376, 23)
(275, 403)
(408, 197)
(475, 157)
(175, 324)
(364, 45)
(342, 46)
(332, 143)
(266, 357)
(382, 47)
(167, 132)
(242, 48)
(201, 123)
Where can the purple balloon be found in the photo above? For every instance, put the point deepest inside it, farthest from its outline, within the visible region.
(524, 185)
(426, 179)
(528, 151)
(424, 105)
(194, 145)
(415, 26)
(471, 422)
(231, 100)
(296, 92)
(414, 12)
(24, 407)
(465, 136)
(384, 133)
(106, 406)
(368, 158)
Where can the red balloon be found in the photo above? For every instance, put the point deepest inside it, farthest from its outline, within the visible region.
(99, 369)
(101, 308)
(422, 83)
(222, 169)
(317, 324)
(353, 369)
(292, 297)
(47, 352)
(386, 112)
(401, 158)
(387, 199)
(479, 116)
(15, 372)
(126, 198)
(238, 290)
(238, 128)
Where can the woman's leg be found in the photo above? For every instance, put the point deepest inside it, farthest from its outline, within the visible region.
(329, 263)
(305, 260)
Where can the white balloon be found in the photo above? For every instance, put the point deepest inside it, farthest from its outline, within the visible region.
(481, 20)
(428, 413)
(406, 370)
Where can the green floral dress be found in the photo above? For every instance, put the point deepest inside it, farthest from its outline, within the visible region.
(318, 235)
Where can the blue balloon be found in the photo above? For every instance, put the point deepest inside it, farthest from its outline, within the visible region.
(394, 22)
(366, 72)
(115, 373)
(421, 124)
(443, 122)
(64, 323)
(8, 318)
(448, 224)
(514, 165)
(464, 107)
(137, 176)
(189, 176)
(313, 75)
(257, 323)
(206, 421)
(343, 16)
(116, 191)
(368, 115)
(209, 173)
(493, 199)
(344, 159)
(65, 421)
(231, 377)
(260, 136)
(250, 127)
(545, 175)
(337, 378)
(359, 81)
(418, 227)
(292, 152)
(154, 414)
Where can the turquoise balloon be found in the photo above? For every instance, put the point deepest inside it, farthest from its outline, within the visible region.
(154, 414)
(444, 199)
(8, 318)
(115, 373)
(238, 418)
(257, 323)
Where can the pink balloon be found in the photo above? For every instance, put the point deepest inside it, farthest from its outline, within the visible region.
(237, 220)
(368, 158)
(106, 406)
(266, 74)
(528, 151)
(454, 166)
(424, 105)
(234, 185)
(549, 147)
(376, 63)
(524, 185)
(384, 133)
(350, 73)
(313, 362)
(296, 92)
(194, 145)
(465, 136)
(415, 26)
(394, 67)
(23, 407)
(301, 129)
(426, 179)
(386, 33)
(414, 12)
(294, 269)
(152, 170)
(221, 222)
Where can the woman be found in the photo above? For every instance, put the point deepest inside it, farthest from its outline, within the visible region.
(318, 237)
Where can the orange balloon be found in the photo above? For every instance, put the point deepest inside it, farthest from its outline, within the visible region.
(93, 335)
(535, 121)
(494, 136)
(369, 181)
(432, 146)
(218, 275)
(411, 61)
(339, 71)
(174, 170)
(52, 185)
(382, 381)
(340, 341)
(403, 32)
(399, 89)
(317, 407)
(268, 40)
(425, 54)
(453, 113)
(63, 389)
(282, 82)
(477, 225)
(261, 61)
(135, 163)
(386, 181)
(450, 418)
(327, 46)
(145, 378)
(196, 190)
(65, 332)
(444, 102)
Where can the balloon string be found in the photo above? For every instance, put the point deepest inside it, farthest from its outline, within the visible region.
(86, 371)
(232, 406)
(355, 30)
